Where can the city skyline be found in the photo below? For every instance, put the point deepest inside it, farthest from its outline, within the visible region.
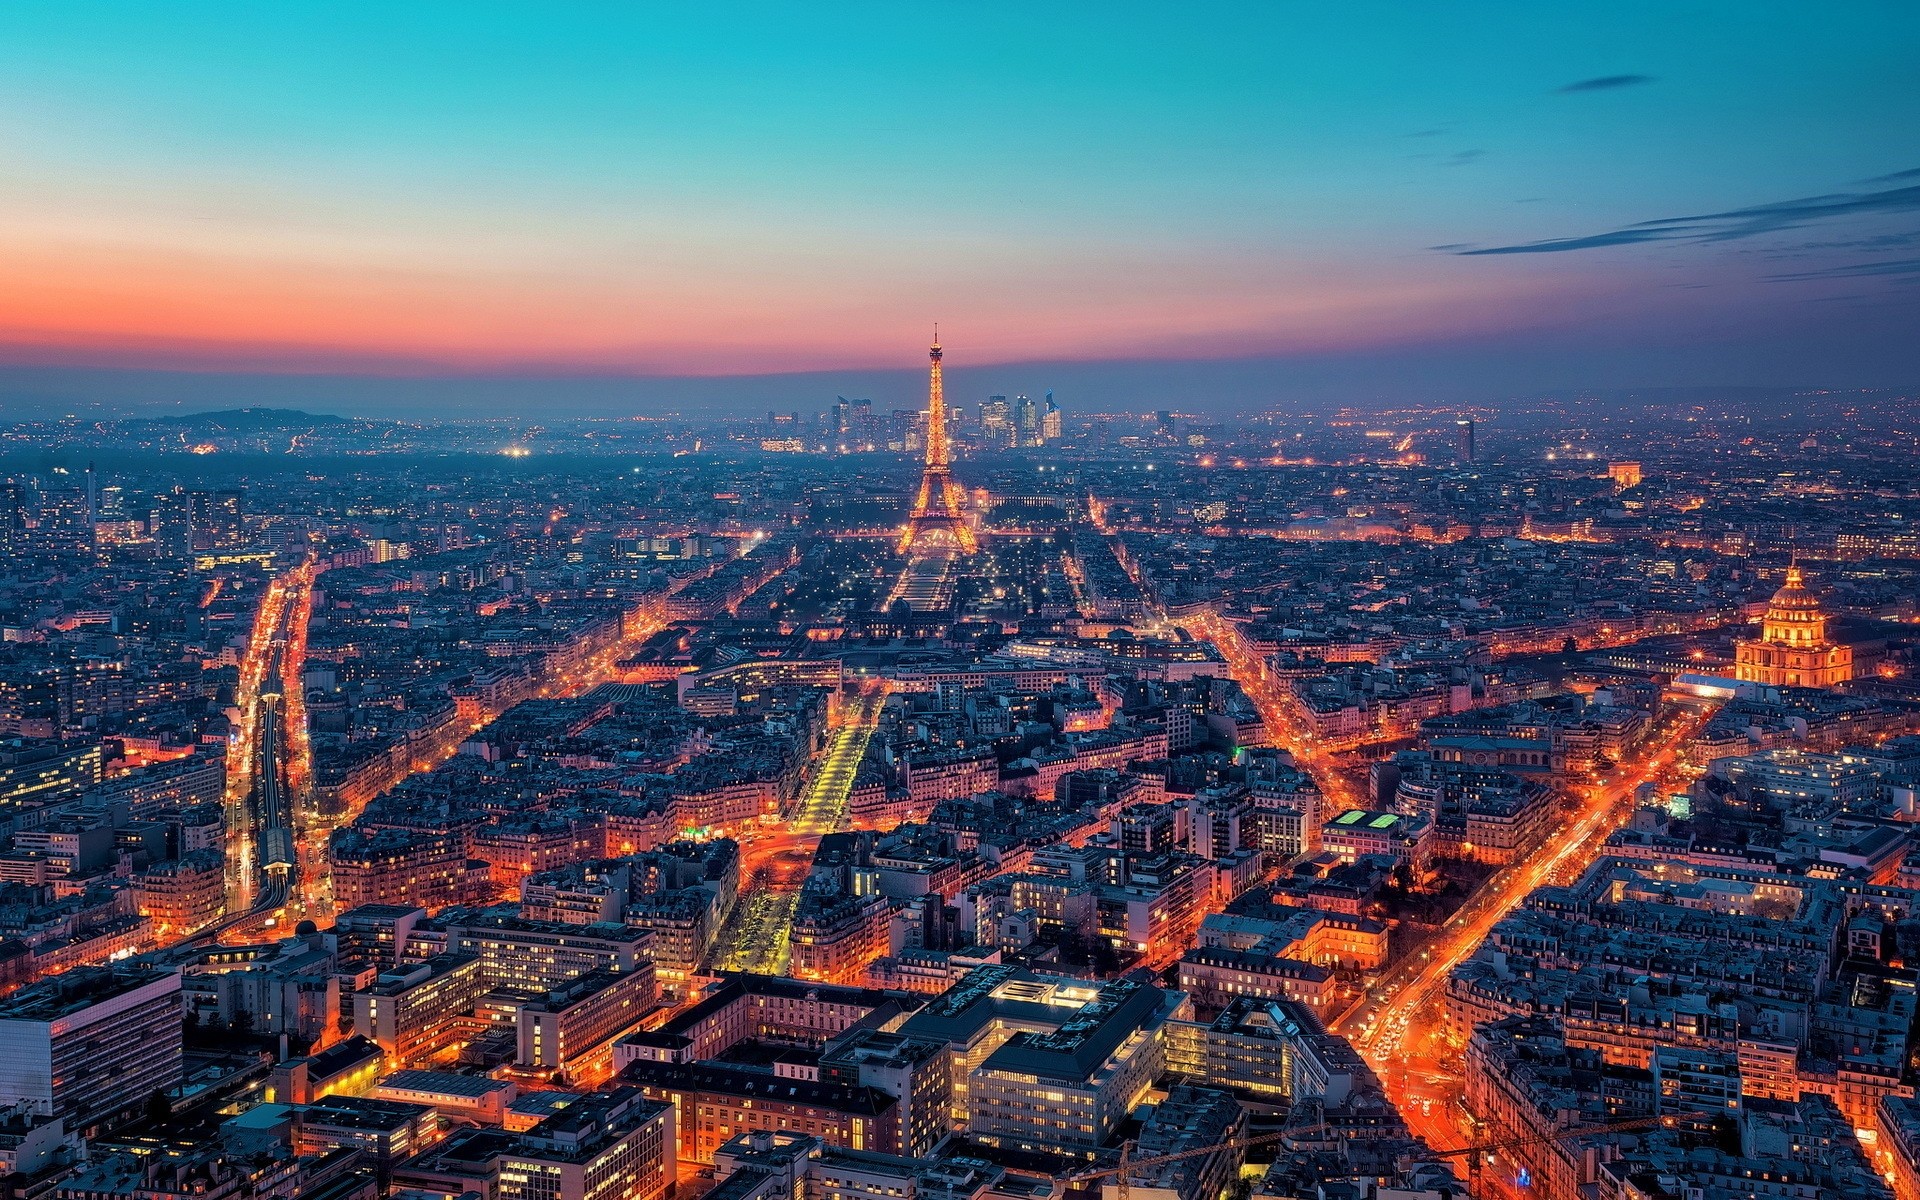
(994, 799)
(1377, 656)
(1267, 206)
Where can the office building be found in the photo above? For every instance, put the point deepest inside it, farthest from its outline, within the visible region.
(538, 956)
(614, 1145)
(35, 771)
(385, 1131)
(562, 1028)
(346, 1068)
(92, 1045)
(1069, 1088)
(416, 1009)
(1248, 1049)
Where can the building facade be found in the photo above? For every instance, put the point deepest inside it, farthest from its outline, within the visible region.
(1793, 649)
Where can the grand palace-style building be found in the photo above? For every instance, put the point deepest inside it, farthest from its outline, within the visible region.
(1793, 649)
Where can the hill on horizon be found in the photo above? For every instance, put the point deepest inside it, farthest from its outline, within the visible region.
(252, 419)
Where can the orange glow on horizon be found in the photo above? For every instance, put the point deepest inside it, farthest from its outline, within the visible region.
(165, 307)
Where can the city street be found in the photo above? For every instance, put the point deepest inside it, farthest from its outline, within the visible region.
(1277, 710)
(775, 864)
(1400, 1029)
(271, 666)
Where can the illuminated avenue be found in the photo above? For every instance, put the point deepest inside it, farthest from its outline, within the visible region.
(970, 795)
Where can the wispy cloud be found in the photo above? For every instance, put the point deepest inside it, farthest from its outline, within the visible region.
(1732, 225)
(1605, 83)
(1866, 270)
(1464, 157)
(1879, 241)
(1895, 177)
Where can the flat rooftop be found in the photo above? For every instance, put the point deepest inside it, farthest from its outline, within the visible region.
(75, 991)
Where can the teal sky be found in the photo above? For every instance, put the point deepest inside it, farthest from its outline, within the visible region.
(1678, 193)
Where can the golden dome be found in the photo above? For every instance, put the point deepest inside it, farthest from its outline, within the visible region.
(1794, 595)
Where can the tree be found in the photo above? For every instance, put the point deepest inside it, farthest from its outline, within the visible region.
(159, 1110)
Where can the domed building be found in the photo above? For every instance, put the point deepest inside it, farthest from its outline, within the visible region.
(1793, 649)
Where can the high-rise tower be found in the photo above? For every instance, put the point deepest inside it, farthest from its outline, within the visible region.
(1463, 439)
(936, 508)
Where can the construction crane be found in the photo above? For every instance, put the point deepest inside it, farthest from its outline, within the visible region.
(1129, 1164)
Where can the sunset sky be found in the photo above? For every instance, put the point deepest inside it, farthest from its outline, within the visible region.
(1389, 198)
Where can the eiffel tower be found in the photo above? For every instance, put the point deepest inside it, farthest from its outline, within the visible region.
(936, 518)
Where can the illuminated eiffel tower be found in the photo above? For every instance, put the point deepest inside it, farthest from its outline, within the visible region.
(936, 517)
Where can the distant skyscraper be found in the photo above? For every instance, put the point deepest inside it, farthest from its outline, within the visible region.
(93, 508)
(1026, 421)
(13, 517)
(170, 522)
(996, 421)
(1050, 420)
(903, 430)
(65, 520)
(1463, 438)
(217, 520)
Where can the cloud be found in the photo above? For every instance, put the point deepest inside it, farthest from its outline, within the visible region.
(1895, 177)
(1881, 241)
(1729, 226)
(1892, 266)
(1619, 237)
(1463, 157)
(1605, 83)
